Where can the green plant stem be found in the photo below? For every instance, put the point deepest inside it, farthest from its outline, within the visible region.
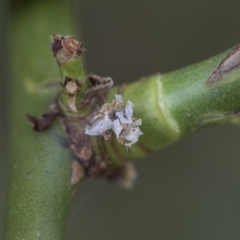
(179, 103)
(171, 106)
(39, 192)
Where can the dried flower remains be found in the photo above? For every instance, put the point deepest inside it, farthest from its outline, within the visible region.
(113, 117)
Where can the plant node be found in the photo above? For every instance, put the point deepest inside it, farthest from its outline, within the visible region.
(92, 117)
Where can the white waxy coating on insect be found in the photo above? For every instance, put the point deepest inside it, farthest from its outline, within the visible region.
(132, 133)
(125, 116)
(117, 127)
(119, 98)
(129, 109)
(99, 127)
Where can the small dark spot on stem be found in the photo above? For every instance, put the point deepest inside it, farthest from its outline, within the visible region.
(229, 63)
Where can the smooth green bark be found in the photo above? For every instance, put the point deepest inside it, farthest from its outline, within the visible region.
(39, 192)
(179, 103)
(196, 104)
(171, 106)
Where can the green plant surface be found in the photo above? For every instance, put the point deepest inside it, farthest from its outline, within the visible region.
(179, 103)
(171, 106)
(39, 192)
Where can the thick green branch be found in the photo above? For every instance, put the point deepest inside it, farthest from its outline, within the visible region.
(39, 192)
(177, 104)
(171, 106)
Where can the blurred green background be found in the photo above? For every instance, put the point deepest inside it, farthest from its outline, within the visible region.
(189, 190)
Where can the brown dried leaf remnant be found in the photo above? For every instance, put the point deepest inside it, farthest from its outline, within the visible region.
(78, 142)
(77, 172)
(65, 48)
(43, 122)
(96, 84)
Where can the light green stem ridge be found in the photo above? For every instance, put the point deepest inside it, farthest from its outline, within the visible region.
(171, 106)
(179, 103)
(39, 192)
(73, 69)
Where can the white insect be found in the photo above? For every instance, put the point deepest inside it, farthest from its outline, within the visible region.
(122, 125)
(100, 126)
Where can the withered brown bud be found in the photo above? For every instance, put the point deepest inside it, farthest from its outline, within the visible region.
(72, 46)
(56, 43)
(65, 49)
